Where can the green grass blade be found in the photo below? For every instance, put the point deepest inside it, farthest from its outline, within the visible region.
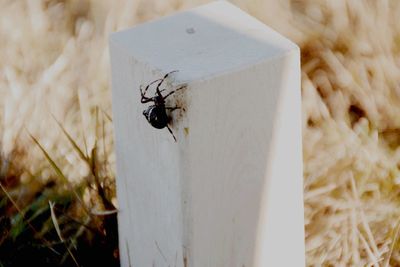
(57, 227)
(23, 217)
(50, 160)
(58, 171)
(55, 222)
(71, 140)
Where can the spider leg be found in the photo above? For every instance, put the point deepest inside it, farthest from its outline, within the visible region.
(162, 80)
(146, 100)
(172, 92)
(162, 90)
(169, 129)
(143, 93)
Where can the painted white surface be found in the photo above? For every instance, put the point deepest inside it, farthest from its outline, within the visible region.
(229, 192)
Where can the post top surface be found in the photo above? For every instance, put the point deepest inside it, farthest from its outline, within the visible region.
(201, 42)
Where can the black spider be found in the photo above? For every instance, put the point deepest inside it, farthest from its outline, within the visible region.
(156, 114)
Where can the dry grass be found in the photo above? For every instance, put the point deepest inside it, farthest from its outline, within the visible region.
(351, 107)
(54, 61)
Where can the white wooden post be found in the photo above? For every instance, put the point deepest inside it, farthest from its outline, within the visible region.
(228, 193)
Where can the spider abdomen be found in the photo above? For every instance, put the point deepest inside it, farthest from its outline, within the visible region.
(156, 116)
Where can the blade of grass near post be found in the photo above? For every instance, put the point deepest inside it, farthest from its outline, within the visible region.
(59, 172)
(57, 227)
(71, 140)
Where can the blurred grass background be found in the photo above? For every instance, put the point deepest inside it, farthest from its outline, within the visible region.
(57, 197)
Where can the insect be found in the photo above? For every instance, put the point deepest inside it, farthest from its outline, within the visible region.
(156, 114)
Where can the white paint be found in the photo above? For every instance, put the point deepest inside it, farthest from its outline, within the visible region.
(229, 192)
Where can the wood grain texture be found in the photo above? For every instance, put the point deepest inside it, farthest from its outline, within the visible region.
(229, 192)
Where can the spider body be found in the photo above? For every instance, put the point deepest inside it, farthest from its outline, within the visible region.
(156, 114)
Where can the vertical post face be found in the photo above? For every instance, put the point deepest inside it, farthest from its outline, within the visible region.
(229, 191)
(228, 176)
(149, 193)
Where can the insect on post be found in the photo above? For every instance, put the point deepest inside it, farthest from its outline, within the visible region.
(156, 114)
(228, 192)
